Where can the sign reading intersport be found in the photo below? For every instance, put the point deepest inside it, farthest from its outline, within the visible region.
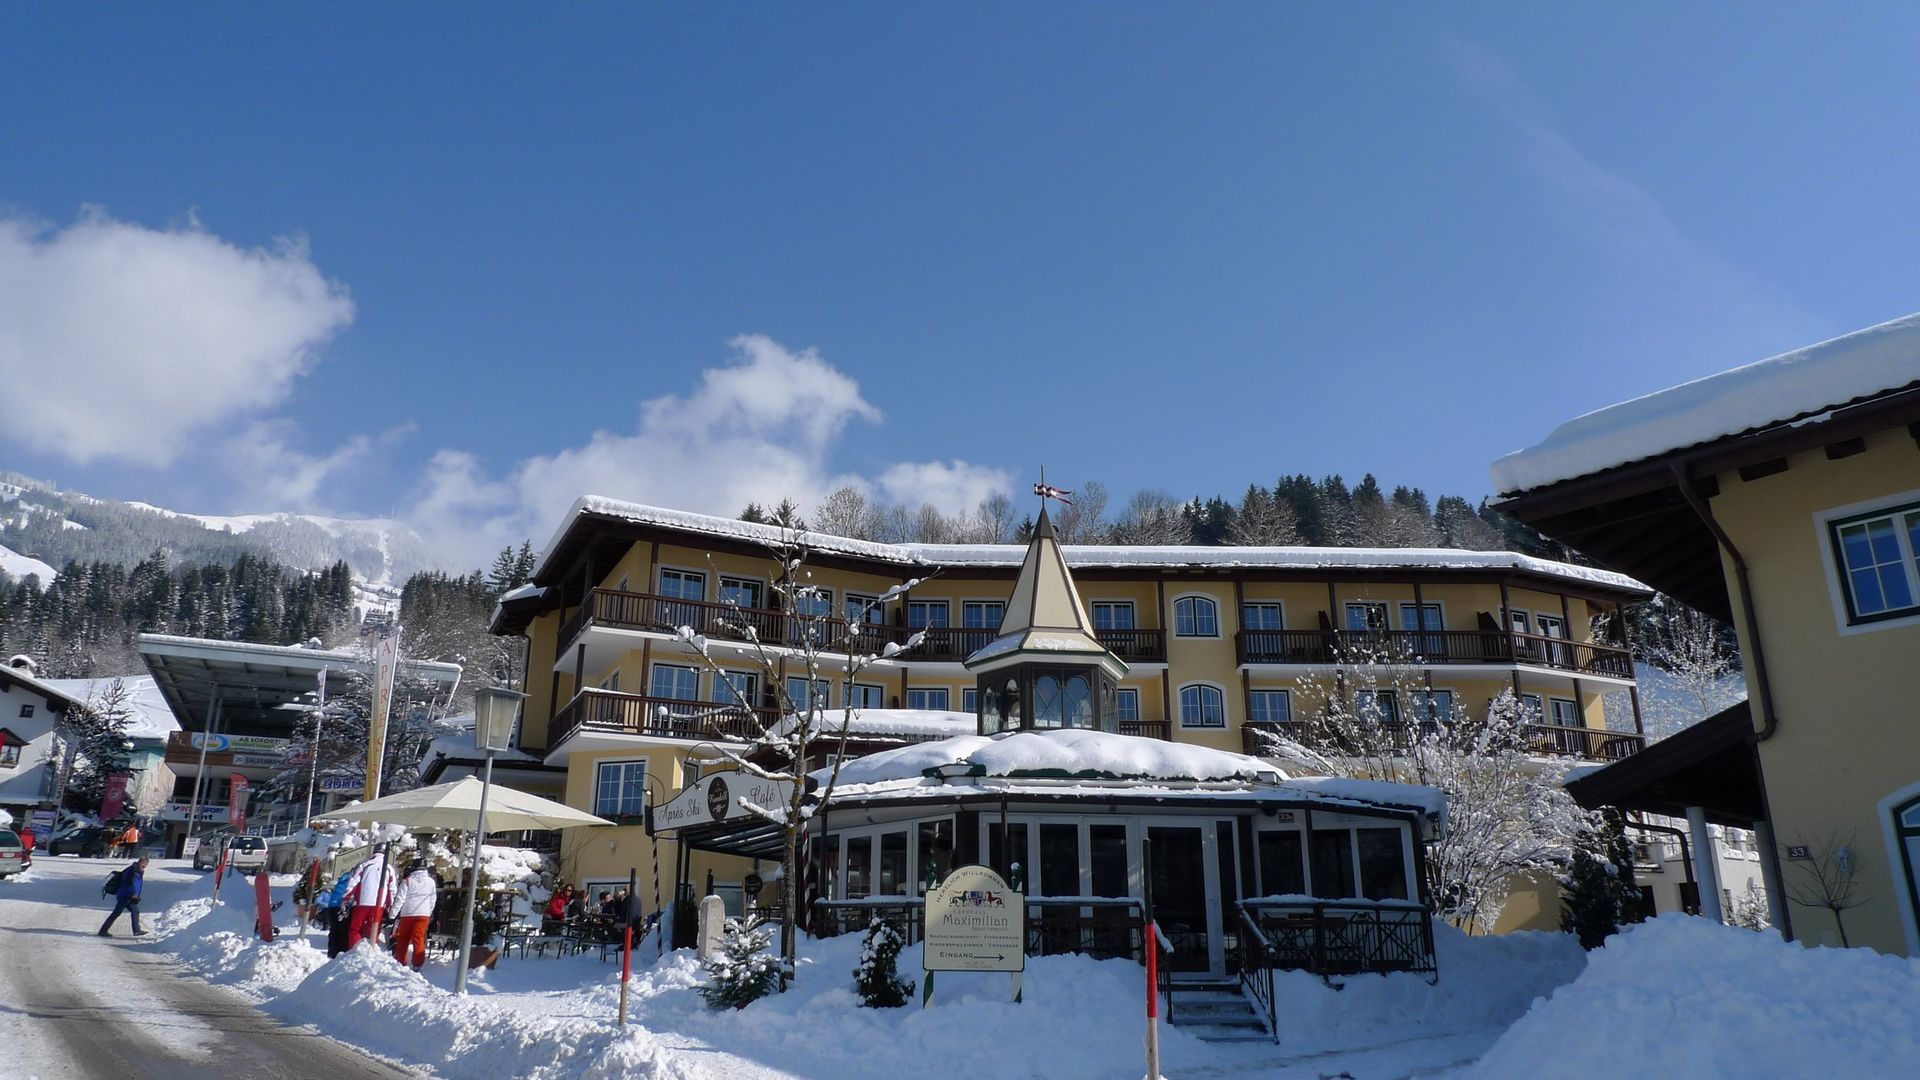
(975, 923)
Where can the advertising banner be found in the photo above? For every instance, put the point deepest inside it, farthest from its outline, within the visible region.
(719, 797)
(386, 663)
(115, 799)
(237, 802)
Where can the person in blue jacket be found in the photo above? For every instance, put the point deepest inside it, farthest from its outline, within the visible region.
(334, 901)
(127, 898)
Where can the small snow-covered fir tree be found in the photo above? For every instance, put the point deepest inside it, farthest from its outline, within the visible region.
(878, 976)
(1600, 894)
(743, 971)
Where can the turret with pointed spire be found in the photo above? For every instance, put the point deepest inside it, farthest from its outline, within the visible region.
(1046, 669)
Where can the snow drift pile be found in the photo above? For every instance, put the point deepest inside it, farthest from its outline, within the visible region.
(1681, 996)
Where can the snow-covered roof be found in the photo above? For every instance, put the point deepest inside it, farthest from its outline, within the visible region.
(1097, 556)
(1098, 764)
(1780, 389)
(1061, 753)
(909, 723)
(521, 592)
(149, 718)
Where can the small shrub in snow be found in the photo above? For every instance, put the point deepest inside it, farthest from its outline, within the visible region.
(743, 971)
(878, 978)
(1750, 910)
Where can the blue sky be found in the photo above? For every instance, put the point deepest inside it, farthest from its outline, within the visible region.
(410, 264)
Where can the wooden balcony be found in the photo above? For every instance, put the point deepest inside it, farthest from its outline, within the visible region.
(1150, 729)
(946, 644)
(1425, 648)
(1587, 744)
(657, 718)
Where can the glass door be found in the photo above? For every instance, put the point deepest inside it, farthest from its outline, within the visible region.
(1186, 902)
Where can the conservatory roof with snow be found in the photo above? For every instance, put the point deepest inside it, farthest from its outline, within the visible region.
(1064, 767)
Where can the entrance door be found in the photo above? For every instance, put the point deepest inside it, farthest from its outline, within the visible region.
(1185, 900)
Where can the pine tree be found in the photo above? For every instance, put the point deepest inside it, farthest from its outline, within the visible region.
(1600, 893)
(877, 978)
(743, 971)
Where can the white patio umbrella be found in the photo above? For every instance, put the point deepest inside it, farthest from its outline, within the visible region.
(456, 805)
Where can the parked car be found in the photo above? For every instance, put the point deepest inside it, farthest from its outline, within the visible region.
(247, 854)
(87, 841)
(13, 853)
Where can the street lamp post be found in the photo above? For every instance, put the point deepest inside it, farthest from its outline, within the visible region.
(494, 709)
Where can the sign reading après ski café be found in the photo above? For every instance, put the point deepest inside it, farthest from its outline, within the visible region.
(717, 797)
(975, 923)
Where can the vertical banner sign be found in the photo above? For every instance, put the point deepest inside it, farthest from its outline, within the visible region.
(237, 802)
(386, 661)
(262, 907)
(115, 800)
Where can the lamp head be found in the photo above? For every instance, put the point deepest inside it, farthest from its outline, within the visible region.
(494, 710)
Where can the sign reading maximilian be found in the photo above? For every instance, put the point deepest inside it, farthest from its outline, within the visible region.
(975, 923)
(717, 797)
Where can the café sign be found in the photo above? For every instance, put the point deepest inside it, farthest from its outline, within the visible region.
(719, 797)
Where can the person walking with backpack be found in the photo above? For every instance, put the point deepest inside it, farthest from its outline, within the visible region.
(413, 910)
(337, 901)
(372, 891)
(127, 898)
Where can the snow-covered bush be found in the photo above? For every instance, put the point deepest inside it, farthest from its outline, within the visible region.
(743, 971)
(1600, 895)
(877, 978)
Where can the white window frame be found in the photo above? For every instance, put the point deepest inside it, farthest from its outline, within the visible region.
(1425, 696)
(1126, 693)
(1279, 610)
(599, 766)
(720, 588)
(660, 578)
(1133, 614)
(946, 695)
(965, 602)
(1346, 616)
(1284, 694)
(658, 665)
(859, 692)
(1409, 606)
(822, 688)
(970, 699)
(726, 675)
(1824, 522)
(1573, 707)
(1390, 694)
(1212, 604)
(876, 611)
(946, 614)
(1180, 704)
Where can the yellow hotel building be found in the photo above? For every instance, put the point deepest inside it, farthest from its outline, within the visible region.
(1214, 639)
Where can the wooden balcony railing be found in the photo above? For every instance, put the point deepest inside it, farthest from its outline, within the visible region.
(1590, 744)
(657, 717)
(1428, 647)
(665, 614)
(1151, 729)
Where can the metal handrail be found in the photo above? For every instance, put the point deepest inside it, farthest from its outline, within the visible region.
(1256, 968)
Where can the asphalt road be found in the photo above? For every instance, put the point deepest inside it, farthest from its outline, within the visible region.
(75, 1005)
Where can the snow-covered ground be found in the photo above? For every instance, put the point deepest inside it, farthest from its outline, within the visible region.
(1675, 997)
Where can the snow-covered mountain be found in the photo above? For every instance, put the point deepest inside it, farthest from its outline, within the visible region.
(42, 527)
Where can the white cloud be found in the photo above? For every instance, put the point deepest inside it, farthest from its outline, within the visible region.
(950, 486)
(758, 429)
(121, 341)
(263, 469)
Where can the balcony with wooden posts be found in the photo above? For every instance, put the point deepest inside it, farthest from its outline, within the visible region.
(1423, 648)
(1547, 740)
(615, 713)
(614, 609)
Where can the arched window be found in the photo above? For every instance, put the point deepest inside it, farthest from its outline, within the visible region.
(1196, 616)
(1076, 700)
(1906, 831)
(1046, 701)
(1202, 706)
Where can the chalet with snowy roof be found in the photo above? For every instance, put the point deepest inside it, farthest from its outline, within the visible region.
(1193, 645)
(31, 709)
(1783, 497)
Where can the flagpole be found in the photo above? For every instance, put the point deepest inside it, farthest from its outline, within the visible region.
(313, 767)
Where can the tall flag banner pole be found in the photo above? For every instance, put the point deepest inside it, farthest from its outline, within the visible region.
(386, 663)
(313, 769)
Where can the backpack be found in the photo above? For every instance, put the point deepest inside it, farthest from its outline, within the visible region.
(113, 882)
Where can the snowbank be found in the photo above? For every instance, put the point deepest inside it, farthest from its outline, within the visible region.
(1681, 996)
